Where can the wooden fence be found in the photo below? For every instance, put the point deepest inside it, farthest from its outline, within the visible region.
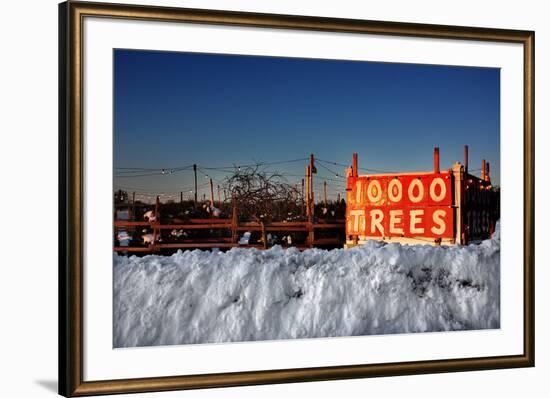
(234, 229)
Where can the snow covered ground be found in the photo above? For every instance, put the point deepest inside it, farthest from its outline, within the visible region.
(248, 294)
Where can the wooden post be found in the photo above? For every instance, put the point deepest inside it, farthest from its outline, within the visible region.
(156, 231)
(465, 159)
(264, 235)
(458, 177)
(234, 222)
(483, 169)
(211, 193)
(436, 160)
(338, 199)
(133, 215)
(311, 198)
(303, 201)
(307, 191)
(311, 169)
(325, 191)
(311, 231)
(354, 173)
(219, 197)
(157, 207)
(196, 193)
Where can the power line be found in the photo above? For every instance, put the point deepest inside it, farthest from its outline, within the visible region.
(360, 168)
(153, 169)
(320, 177)
(138, 175)
(208, 176)
(154, 191)
(160, 172)
(329, 170)
(333, 163)
(236, 166)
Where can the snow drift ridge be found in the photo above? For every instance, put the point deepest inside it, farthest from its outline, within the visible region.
(247, 294)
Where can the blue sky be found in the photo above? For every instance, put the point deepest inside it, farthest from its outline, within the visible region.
(176, 109)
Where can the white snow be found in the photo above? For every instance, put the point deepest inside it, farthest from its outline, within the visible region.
(123, 238)
(248, 294)
(122, 235)
(245, 238)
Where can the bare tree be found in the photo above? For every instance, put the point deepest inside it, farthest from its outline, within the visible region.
(262, 196)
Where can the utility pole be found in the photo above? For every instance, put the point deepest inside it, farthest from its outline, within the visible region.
(325, 189)
(466, 159)
(311, 214)
(354, 173)
(302, 196)
(307, 190)
(196, 193)
(211, 193)
(311, 171)
(219, 196)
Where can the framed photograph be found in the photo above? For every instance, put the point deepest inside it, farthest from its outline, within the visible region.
(253, 199)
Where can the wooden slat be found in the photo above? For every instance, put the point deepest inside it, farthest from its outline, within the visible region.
(193, 226)
(327, 241)
(270, 228)
(329, 226)
(125, 223)
(275, 224)
(122, 224)
(194, 245)
(201, 245)
(209, 221)
(203, 240)
(131, 249)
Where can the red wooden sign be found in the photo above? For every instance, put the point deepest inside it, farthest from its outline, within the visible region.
(405, 205)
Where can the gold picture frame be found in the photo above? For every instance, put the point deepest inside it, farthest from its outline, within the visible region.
(71, 355)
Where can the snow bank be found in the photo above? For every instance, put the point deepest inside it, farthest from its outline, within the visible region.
(248, 294)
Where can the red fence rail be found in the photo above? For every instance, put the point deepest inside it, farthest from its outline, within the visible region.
(232, 227)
